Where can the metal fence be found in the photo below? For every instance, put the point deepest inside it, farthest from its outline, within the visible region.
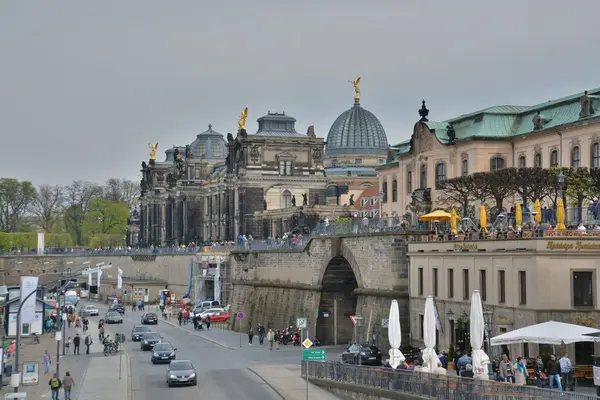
(430, 385)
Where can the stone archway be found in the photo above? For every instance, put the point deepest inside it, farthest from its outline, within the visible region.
(337, 302)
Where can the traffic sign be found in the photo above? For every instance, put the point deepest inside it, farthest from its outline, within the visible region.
(385, 322)
(356, 320)
(301, 323)
(307, 343)
(240, 315)
(314, 355)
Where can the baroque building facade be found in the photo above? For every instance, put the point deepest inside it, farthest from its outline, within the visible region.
(213, 188)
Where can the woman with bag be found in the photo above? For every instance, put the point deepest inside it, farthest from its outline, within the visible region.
(538, 368)
(521, 373)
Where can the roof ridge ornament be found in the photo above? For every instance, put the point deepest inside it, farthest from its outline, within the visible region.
(356, 83)
(423, 112)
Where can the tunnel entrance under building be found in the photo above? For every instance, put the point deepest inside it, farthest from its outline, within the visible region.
(337, 303)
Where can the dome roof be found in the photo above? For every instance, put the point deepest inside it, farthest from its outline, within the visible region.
(209, 144)
(357, 132)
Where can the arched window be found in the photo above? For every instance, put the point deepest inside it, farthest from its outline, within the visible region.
(575, 157)
(496, 163)
(440, 173)
(465, 167)
(522, 162)
(423, 177)
(554, 159)
(596, 155)
(394, 190)
(286, 199)
(409, 185)
(537, 160)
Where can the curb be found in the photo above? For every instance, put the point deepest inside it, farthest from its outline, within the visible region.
(129, 384)
(267, 383)
(200, 336)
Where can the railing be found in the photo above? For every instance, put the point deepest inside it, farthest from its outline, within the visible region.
(430, 385)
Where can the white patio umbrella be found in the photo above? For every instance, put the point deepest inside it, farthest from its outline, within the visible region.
(480, 359)
(430, 357)
(395, 336)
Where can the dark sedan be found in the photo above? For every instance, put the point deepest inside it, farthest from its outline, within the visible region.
(149, 339)
(113, 317)
(150, 319)
(118, 308)
(181, 372)
(138, 331)
(369, 354)
(163, 353)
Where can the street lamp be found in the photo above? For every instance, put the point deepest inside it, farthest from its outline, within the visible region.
(450, 315)
(561, 184)
(488, 314)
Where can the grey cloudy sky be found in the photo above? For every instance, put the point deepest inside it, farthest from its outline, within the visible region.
(86, 85)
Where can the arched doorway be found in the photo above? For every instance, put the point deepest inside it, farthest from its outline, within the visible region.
(337, 303)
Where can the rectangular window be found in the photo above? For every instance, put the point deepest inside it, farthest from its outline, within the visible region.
(501, 287)
(409, 188)
(285, 168)
(435, 281)
(358, 161)
(420, 281)
(583, 288)
(465, 284)
(522, 287)
(420, 327)
(394, 190)
(450, 283)
(483, 284)
(384, 189)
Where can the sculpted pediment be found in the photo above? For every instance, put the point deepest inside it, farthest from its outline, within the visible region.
(423, 140)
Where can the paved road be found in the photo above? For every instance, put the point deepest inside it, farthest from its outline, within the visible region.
(222, 371)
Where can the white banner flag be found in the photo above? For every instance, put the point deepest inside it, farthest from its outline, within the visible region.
(29, 284)
(218, 281)
(120, 279)
(99, 277)
(90, 283)
(40, 244)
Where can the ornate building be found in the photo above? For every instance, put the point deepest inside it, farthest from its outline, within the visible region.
(213, 189)
(356, 144)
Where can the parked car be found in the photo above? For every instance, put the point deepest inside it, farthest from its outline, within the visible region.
(89, 310)
(149, 319)
(221, 316)
(118, 308)
(211, 312)
(113, 317)
(149, 339)
(163, 353)
(181, 372)
(138, 331)
(369, 354)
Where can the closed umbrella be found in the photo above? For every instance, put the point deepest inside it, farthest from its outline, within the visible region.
(395, 336)
(477, 326)
(538, 212)
(518, 215)
(430, 358)
(454, 218)
(560, 215)
(483, 219)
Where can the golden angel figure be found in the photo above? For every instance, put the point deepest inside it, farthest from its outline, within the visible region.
(243, 118)
(153, 148)
(356, 88)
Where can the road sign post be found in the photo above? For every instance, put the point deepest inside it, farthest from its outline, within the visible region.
(311, 355)
(240, 317)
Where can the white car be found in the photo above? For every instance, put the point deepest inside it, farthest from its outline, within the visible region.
(210, 312)
(90, 310)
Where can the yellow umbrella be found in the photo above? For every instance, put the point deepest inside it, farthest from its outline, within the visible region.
(483, 219)
(560, 215)
(454, 218)
(437, 215)
(518, 215)
(538, 211)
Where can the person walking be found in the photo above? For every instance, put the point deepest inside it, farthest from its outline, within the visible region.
(68, 384)
(271, 338)
(46, 360)
(250, 335)
(208, 322)
(566, 373)
(76, 344)
(55, 385)
(553, 372)
(261, 334)
(88, 342)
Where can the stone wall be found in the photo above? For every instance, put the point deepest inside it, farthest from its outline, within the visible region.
(349, 391)
(172, 268)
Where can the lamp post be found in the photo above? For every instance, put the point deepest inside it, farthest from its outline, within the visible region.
(488, 314)
(450, 315)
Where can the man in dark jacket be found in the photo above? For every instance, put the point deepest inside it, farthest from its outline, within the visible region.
(76, 344)
(553, 372)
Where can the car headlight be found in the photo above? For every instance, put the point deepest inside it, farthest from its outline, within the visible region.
(145, 342)
(193, 375)
(172, 354)
(155, 355)
(172, 376)
(363, 353)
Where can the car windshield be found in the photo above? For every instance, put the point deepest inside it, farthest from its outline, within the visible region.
(180, 366)
(141, 329)
(150, 315)
(90, 307)
(151, 335)
(112, 314)
(163, 347)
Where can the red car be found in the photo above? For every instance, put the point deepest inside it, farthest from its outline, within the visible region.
(220, 317)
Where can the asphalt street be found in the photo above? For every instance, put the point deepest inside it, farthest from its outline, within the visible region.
(222, 368)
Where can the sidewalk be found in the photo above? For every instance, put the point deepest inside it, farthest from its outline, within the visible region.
(286, 381)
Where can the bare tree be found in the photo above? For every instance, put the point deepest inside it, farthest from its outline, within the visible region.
(47, 206)
(78, 197)
(457, 191)
(122, 191)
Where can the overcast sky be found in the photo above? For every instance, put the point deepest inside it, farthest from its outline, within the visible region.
(86, 85)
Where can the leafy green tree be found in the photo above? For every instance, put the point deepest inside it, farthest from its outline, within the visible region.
(78, 197)
(28, 240)
(15, 198)
(457, 192)
(105, 217)
(579, 186)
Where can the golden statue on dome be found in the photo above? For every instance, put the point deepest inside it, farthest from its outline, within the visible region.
(242, 120)
(356, 88)
(153, 148)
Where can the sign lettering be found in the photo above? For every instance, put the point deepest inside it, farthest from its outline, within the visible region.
(589, 322)
(465, 246)
(578, 245)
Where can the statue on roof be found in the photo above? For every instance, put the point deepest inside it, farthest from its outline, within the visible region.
(538, 122)
(294, 201)
(390, 154)
(587, 108)
(304, 199)
(355, 83)
(311, 132)
(423, 112)
(242, 120)
(188, 152)
(451, 134)
(351, 200)
(230, 138)
(153, 148)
